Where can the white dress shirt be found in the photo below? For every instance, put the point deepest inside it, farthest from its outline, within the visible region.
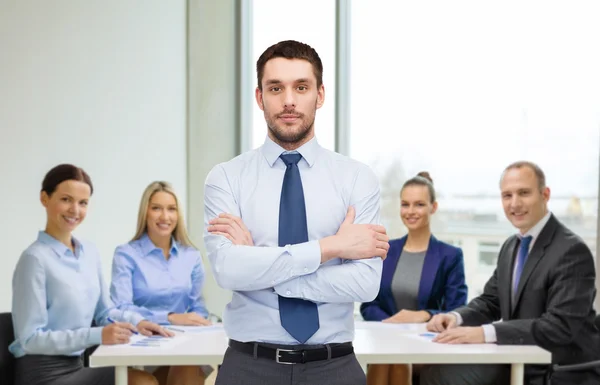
(249, 186)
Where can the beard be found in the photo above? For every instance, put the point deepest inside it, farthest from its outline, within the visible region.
(284, 133)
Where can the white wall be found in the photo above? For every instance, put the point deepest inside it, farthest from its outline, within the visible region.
(98, 84)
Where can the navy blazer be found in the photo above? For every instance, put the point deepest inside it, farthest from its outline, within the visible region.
(442, 287)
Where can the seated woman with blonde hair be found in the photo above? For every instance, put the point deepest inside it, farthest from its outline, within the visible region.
(159, 274)
(421, 276)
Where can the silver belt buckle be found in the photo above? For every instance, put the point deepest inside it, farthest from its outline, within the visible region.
(278, 356)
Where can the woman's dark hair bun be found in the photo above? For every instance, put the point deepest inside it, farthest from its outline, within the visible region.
(425, 174)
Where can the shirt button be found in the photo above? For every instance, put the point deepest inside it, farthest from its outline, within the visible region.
(305, 269)
(273, 282)
(288, 292)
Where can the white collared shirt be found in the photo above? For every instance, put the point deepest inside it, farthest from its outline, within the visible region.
(249, 186)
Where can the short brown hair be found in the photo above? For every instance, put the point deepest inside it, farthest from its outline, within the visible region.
(421, 179)
(541, 177)
(64, 172)
(290, 49)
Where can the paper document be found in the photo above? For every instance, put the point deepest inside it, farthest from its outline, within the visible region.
(177, 329)
(156, 342)
(427, 336)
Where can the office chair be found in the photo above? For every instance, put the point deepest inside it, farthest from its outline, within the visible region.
(573, 367)
(7, 360)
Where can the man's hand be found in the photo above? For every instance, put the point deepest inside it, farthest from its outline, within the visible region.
(117, 333)
(355, 241)
(461, 335)
(232, 228)
(409, 316)
(188, 319)
(441, 322)
(148, 328)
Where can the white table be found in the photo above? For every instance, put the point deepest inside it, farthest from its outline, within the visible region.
(374, 343)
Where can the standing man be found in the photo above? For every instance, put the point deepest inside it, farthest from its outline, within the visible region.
(543, 290)
(291, 229)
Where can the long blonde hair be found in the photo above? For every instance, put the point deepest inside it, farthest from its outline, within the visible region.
(180, 233)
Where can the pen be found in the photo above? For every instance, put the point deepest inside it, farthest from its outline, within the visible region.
(112, 321)
(175, 329)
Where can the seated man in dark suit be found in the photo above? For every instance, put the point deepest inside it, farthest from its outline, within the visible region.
(543, 290)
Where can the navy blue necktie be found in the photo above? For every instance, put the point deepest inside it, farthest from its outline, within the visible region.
(521, 259)
(299, 317)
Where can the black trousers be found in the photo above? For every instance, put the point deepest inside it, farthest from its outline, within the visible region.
(59, 370)
(243, 369)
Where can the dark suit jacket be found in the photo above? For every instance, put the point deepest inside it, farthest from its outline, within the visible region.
(553, 307)
(442, 286)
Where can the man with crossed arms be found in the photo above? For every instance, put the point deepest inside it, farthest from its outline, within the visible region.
(300, 258)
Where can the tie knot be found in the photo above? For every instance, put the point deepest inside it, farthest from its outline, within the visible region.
(525, 241)
(290, 159)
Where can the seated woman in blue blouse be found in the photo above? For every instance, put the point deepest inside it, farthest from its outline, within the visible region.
(159, 274)
(58, 289)
(422, 276)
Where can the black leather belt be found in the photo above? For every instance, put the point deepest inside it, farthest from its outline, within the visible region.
(293, 356)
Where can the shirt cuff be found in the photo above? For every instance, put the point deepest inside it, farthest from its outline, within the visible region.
(132, 317)
(489, 332)
(306, 258)
(459, 320)
(160, 317)
(95, 336)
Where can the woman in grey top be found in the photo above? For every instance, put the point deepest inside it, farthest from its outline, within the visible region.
(422, 276)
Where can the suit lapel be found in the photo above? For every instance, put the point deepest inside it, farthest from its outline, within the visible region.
(535, 255)
(430, 267)
(505, 268)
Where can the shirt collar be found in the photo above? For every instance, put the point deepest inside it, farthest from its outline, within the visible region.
(308, 150)
(60, 248)
(148, 246)
(535, 231)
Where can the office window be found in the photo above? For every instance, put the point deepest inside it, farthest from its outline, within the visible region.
(462, 89)
(488, 254)
(313, 23)
(453, 242)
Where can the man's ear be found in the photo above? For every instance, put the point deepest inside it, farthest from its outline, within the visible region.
(320, 96)
(44, 198)
(546, 193)
(259, 98)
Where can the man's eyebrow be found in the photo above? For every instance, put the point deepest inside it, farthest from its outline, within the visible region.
(277, 81)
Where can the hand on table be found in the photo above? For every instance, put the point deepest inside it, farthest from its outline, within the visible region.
(188, 319)
(409, 316)
(148, 328)
(461, 335)
(440, 322)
